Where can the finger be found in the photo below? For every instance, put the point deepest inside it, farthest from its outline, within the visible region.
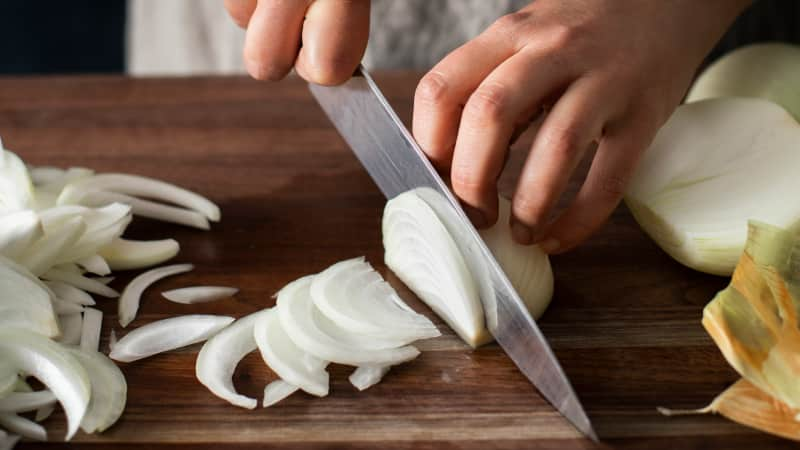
(507, 97)
(240, 11)
(575, 121)
(612, 168)
(335, 37)
(442, 92)
(273, 37)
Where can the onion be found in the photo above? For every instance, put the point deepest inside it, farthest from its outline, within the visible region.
(17, 231)
(63, 308)
(131, 296)
(44, 412)
(167, 334)
(71, 327)
(277, 391)
(8, 441)
(715, 165)
(90, 331)
(16, 189)
(44, 253)
(23, 427)
(311, 331)
(293, 365)
(8, 378)
(355, 297)
(219, 356)
(70, 293)
(26, 401)
(95, 286)
(199, 294)
(25, 302)
(94, 264)
(366, 376)
(124, 254)
(146, 208)
(46, 360)
(109, 390)
(139, 186)
(768, 70)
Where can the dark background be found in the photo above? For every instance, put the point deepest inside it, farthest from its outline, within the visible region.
(83, 36)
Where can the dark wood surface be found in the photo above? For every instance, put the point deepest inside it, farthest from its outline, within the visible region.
(625, 320)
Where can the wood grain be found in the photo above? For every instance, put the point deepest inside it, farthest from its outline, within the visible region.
(625, 320)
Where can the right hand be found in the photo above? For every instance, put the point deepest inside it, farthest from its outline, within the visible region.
(324, 40)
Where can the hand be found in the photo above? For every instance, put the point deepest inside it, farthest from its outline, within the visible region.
(613, 71)
(323, 39)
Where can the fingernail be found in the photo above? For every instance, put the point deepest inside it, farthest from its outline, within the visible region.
(476, 216)
(549, 245)
(521, 233)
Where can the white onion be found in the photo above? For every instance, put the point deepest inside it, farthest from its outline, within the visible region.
(8, 378)
(355, 297)
(46, 360)
(25, 302)
(287, 360)
(366, 376)
(713, 166)
(95, 286)
(310, 330)
(124, 254)
(199, 294)
(131, 296)
(26, 401)
(71, 327)
(90, 331)
(44, 252)
(65, 308)
(70, 293)
(167, 334)
(219, 356)
(146, 208)
(7, 442)
(16, 189)
(277, 391)
(44, 412)
(139, 186)
(23, 427)
(109, 390)
(17, 231)
(94, 264)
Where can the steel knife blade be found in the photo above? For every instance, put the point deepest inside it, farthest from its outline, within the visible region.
(369, 125)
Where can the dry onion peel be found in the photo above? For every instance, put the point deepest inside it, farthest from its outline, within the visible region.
(132, 294)
(46, 360)
(199, 294)
(167, 334)
(220, 355)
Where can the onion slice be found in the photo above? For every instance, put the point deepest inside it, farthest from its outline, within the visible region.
(90, 330)
(44, 253)
(167, 334)
(46, 360)
(16, 188)
(131, 296)
(219, 356)
(109, 390)
(95, 286)
(151, 210)
(71, 328)
(139, 186)
(70, 293)
(277, 391)
(199, 294)
(26, 401)
(17, 231)
(124, 254)
(287, 360)
(366, 376)
(8, 441)
(311, 331)
(356, 298)
(23, 427)
(25, 301)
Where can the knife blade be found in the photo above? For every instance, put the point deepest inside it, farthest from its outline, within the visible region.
(369, 125)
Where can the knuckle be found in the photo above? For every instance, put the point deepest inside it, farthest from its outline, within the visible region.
(432, 88)
(268, 71)
(565, 140)
(510, 24)
(466, 182)
(528, 209)
(332, 70)
(489, 103)
(612, 187)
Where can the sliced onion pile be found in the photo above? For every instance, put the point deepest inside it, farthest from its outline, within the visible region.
(60, 238)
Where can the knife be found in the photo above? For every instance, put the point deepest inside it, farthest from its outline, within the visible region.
(395, 162)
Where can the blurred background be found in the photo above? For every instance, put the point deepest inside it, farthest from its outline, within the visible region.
(196, 37)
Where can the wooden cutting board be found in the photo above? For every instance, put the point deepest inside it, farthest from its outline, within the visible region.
(625, 320)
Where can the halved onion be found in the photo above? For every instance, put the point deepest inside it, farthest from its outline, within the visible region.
(131, 296)
(219, 356)
(124, 254)
(46, 360)
(167, 334)
(109, 390)
(311, 331)
(199, 294)
(293, 365)
(355, 297)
